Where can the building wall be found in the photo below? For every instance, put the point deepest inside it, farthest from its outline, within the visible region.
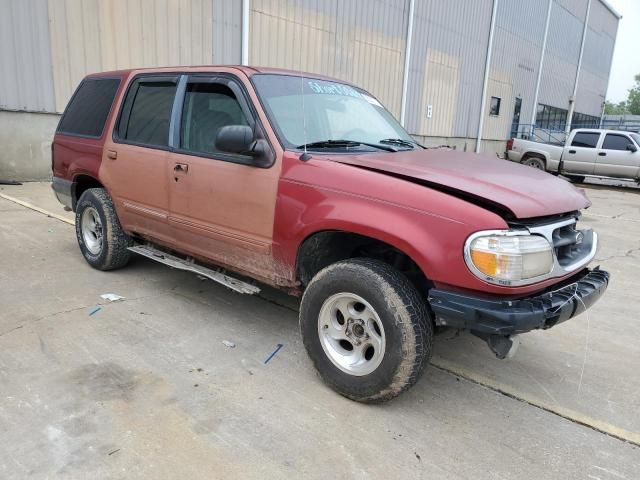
(360, 41)
(47, 46)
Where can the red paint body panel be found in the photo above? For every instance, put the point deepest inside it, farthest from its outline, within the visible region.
(376, 195)
(428, 225)
(525, 191)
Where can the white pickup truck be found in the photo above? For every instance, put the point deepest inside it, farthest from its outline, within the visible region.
(586, 153)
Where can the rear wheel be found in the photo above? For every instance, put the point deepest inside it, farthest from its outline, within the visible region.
(366, 329)
(102, 241)
(535, 162)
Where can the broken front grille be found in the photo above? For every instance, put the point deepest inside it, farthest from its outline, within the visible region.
(573, 248)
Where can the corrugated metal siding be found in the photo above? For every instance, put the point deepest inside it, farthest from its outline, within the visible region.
(93, 35)
(447, 67)
(514, 65)
(596, 61)
(47, 46)
(361, 41)
(563, 51)
(26, 81)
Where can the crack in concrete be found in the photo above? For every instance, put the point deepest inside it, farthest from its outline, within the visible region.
(630, 438)
(627, 254)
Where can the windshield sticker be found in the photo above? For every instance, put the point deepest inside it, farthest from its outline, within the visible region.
(333, 89)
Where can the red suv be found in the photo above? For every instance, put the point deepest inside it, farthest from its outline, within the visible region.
(308, 184)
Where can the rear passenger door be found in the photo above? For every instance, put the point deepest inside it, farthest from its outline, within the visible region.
(580, 156)
(134, 164)
(221, 204)
(616, 157)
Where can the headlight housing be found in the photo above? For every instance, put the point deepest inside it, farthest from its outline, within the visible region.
(509, 257)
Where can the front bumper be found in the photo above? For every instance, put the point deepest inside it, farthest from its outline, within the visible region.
(491, 316)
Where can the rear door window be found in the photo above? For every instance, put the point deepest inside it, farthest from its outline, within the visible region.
(616, 142)
(585, 139)
(89, 107)
(146, 114)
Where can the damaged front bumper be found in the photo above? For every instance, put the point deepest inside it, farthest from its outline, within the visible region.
(489, 317)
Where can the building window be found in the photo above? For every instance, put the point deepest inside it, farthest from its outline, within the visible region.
(551, 118)
(495, 106)
(582, 120)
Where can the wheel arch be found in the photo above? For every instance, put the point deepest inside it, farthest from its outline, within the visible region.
(322, 248)
(81, 183)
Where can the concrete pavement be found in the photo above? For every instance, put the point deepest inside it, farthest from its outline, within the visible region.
(145, 388)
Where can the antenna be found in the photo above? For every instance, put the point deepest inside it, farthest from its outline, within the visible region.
(305, 156)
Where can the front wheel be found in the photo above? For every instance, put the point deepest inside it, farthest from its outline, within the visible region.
(366, 329)
(102, 241)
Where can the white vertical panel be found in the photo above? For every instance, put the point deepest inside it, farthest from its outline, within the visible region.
(26, 82)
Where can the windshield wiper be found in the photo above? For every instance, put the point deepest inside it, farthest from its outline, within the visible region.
(345, 144)
(399, 141)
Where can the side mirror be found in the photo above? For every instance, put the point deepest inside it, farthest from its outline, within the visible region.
(235, 139)
(241, 140)
(632, 148)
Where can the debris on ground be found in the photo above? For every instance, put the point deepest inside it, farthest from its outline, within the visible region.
(112, 297)
(229, 344)
(273, 354)
(94, 311)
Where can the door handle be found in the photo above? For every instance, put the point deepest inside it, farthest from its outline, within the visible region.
(572, 151)
(181, 168)
(602, 154)
(112, 154)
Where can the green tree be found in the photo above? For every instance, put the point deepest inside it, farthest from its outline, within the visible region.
(619, 108)
(633, 99)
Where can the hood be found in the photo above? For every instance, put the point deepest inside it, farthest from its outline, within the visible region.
(523, 191)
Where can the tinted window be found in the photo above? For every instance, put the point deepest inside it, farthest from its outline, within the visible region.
(585, 139)
(147, 113)
(495, 106)
(207, 108)
(89, 107)
(615, 142)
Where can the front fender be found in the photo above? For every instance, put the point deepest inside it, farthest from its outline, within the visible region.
(433, 242)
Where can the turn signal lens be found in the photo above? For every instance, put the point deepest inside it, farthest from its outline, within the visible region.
(510, 258)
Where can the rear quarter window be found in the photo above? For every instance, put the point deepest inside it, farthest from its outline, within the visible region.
(89, 107)
(585, 139)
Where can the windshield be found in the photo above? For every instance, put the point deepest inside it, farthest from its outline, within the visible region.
(636, 137)
(332, 111)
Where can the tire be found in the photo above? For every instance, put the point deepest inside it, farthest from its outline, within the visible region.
(574, 178)
(395, 320)
(535, 162)
(104, 246)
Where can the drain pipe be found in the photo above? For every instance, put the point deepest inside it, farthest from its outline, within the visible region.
(407, 61)
(572, 100)
(246, 8)
(534, 109)
(487, 67)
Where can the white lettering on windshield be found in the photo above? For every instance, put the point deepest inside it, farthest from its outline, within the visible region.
(333, 89)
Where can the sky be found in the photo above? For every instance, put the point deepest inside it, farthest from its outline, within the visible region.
(626, 61)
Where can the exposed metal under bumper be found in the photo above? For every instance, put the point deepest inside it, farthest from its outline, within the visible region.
(487, 316)
(182, 264)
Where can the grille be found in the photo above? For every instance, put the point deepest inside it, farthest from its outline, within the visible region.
(573, 248)
(571, 245)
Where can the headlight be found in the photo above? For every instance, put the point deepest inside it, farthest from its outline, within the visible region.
(508, 257)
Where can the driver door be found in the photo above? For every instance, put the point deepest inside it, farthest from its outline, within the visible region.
(221, 206)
